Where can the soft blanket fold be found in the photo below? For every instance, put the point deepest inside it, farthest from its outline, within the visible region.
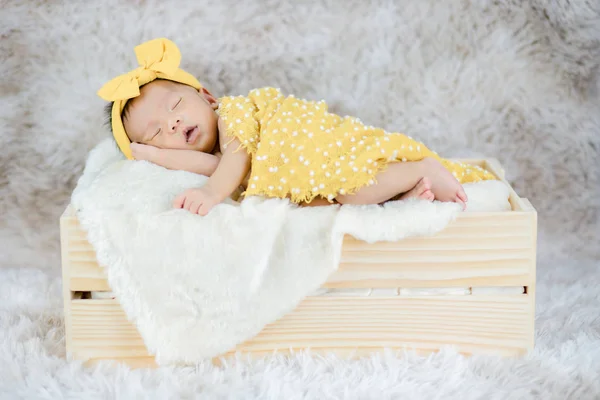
(198, 286)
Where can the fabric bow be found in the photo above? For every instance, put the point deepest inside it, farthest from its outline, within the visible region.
(158, 58)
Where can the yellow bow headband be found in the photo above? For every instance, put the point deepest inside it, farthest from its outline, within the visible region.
(158, 58)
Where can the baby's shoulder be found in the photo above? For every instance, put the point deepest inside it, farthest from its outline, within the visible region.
(266, 97)
(257, 99)
(267, 91)
(261, 92)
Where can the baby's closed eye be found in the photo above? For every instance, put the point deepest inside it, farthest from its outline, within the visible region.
(177, 102)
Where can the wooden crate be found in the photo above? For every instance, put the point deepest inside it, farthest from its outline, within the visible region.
(477, 250)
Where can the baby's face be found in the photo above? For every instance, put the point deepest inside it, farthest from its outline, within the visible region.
(170, 115)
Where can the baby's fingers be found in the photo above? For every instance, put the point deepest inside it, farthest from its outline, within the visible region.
(204, 209)
(462, 195)
(190, 201)
(195, 206)
(179, 201)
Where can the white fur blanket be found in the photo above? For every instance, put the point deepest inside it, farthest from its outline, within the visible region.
(198, 286)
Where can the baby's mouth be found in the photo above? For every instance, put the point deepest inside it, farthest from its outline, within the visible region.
(191, 134)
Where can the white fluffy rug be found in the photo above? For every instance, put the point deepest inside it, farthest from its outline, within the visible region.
(514, 79)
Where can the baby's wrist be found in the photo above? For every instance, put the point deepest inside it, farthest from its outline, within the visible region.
(217, 191)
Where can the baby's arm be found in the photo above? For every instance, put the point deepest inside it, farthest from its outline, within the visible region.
(228, 176)
(176, 159)
(231, 171)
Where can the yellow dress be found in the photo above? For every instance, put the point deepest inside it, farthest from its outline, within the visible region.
(300, 150)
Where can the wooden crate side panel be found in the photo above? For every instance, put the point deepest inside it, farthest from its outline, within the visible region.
(392, 322)
(106, 333)
(341, 352)
(66, 269)
(488, 324)
(477, 249)
(100, 329)
(84, 272)
(531, 288)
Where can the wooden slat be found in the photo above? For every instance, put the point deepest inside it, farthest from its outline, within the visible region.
(531, 287)
(347, 281)
(89, 284)
(435, 257)
(66, 276)
(477, 249)
(341, 352)
(489, 249)
(113, 335)
(132, 362)
(101, 329)
(440, 243)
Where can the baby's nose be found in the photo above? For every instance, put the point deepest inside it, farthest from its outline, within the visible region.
(175, 123)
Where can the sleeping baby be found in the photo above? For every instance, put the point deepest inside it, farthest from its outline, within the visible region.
(270, 144)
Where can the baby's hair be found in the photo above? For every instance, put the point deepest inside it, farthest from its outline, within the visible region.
(108, 113)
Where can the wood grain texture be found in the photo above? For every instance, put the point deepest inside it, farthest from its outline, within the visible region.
(66, 273)
(476, 250)
(482, 324)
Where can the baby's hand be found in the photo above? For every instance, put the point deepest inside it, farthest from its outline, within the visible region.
(197, 201)
(144, 152)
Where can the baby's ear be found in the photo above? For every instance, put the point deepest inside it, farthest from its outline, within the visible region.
(209, 98)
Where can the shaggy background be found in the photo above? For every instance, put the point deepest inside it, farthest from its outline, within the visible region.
(518, 80)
